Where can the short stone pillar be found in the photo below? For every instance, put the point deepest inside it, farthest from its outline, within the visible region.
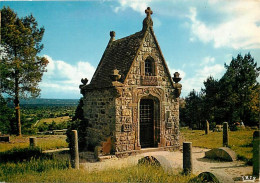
(225, 134)
(74, 150)
(207, 127)
(187, 158)
(32, 141)
(256, 144)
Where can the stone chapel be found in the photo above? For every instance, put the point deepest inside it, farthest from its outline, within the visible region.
(132, 102)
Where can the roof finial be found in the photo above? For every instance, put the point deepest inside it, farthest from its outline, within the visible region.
(112, 35)
(148, 22)
(148, 12)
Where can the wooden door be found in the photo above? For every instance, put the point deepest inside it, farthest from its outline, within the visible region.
(147, 123)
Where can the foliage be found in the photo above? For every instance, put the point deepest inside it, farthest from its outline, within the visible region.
(238, 88)
(81, 127)
(5, 115)
(19, 155)
(22, 40)
(21, 68)
(192, 110)
(233, 98)
(79, 111)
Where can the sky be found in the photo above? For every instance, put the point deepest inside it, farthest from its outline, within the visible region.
(197, 37)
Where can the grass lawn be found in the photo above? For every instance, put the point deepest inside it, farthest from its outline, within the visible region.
(45, 142)
(239, 141)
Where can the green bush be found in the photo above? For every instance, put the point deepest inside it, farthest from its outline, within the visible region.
(81, 127)
(6, 114)
(21, 154)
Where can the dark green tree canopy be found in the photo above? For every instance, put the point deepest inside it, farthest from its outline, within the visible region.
(233, 98)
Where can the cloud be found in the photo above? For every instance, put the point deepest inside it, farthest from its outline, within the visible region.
(234, 24)
(207, 60)
(136, 5)
(239, 28)
(196, 82)
(63, 77)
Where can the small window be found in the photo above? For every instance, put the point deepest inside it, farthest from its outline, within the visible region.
(149, 67)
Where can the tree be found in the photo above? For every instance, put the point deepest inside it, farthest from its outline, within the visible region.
(193, 110)
(6, 115)
(210, 99)
(238, 87)
(21, 67)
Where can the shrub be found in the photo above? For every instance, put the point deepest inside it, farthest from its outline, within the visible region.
(21, 154)
(81, 127)
(6, 114)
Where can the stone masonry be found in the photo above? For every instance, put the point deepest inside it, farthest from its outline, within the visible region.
(133, 69)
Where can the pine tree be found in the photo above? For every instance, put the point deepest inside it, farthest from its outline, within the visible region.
(21, 67)
(238, 85)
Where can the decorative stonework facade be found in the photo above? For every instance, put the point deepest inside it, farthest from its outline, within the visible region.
(132, 98)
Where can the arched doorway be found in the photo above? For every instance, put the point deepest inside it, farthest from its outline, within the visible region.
(149, 123)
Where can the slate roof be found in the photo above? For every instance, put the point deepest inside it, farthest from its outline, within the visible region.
(119, 54)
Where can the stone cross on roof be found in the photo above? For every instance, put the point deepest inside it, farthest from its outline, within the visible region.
(148, 12)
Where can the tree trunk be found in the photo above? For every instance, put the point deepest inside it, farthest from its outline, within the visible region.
(17, 106)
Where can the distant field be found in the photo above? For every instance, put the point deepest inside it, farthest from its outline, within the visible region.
(56, 120)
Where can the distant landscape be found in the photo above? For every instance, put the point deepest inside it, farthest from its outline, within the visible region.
(45, 101)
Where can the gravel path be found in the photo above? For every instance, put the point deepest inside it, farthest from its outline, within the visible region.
(173, 161)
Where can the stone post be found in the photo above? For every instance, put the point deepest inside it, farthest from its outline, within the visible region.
(207, 127)
(32, 141)
(256, 144)
(74, 150)
(187, 158)
(225, 134)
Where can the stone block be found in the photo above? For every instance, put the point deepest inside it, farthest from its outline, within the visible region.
(124, 147)
(127, 127)
(211, 177)
(222, 153)
(130, 147)
(168, 125)
(126, 112)
(123, 138)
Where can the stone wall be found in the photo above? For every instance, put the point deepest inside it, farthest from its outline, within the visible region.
(99, 109)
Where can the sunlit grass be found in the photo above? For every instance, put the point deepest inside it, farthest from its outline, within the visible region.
(239, 141)
(45, 142)
(33, 166)
(130, 174)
